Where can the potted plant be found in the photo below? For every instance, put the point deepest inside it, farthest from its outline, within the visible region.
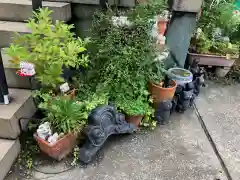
(160, 87)
(49, 48)
(67, 118)
(213, 44)
(136, 108)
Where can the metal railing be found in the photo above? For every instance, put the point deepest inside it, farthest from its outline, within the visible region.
(3, 83)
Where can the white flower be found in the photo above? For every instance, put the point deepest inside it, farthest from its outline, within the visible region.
(121, 21)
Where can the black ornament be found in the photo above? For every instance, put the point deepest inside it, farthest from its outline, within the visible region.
(184, 100)
(163, 111)
(102, 122)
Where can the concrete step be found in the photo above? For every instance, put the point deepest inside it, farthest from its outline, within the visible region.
(7, 30)
(124, 3)
(9, 150)
(21, 10)
(13, 80)
(22, 105)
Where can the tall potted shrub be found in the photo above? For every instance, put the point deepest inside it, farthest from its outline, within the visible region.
(49, 47)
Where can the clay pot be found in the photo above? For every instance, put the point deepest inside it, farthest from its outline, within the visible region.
(60, 149)
(136, 120)
(162, 26)
(160, 94)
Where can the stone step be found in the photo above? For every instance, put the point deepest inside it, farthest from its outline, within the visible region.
(7, 30)
(13, 80)
(9, 150)
(21, 10)
(22, 105)
(124, 3)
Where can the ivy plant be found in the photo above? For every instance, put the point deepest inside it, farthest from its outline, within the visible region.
(121, 57)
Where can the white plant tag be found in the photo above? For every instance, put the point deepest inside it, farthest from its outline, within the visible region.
(27, 68)
(64, 87)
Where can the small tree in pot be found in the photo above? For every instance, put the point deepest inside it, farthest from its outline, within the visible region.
(49, 47)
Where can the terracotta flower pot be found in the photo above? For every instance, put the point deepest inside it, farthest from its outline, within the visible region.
(160, 93)
(136, 120)
(162, 26)
(60, 149)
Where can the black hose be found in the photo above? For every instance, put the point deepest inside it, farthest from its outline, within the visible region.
(52, 172)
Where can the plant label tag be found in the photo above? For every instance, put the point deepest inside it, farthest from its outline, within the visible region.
(64, 87)
(27, 68)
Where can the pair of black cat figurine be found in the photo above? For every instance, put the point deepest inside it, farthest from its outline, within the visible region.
(185, 95)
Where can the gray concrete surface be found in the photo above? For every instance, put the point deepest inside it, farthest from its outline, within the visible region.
(8, 29)
(220, 109)
(9, 150)
(21, 10)
(21, 106)
(176, 151)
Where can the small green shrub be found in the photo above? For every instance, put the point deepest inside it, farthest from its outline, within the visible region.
(49, 47)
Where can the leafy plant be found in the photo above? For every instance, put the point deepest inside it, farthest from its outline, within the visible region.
(43, 99)
(50, 47)
(134, 107)
(219, 14)
(156, 71)
(218, 27)
(121, 57)
(66, 115)
(204, 45)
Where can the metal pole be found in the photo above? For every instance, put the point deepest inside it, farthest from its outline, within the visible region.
(36, 4)
(103, 3)
(4, 99)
